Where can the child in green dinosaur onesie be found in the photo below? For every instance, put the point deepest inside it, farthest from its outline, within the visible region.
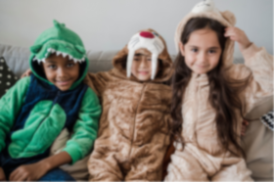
(39, 107)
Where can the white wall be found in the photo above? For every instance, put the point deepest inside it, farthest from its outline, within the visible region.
(108, 24)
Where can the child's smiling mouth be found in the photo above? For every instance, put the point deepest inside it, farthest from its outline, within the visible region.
(143, 72)
(202, 66)
(63, 82)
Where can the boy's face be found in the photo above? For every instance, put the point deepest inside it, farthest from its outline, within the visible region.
(141, 65)
(61, 71)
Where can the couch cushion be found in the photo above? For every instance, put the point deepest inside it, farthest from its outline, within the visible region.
(78, 170)
(16, 58)
(7, 78)
(258, 146)
(258, 142)
(100, 60)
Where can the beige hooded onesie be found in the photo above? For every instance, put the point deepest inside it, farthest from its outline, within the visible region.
(134, 127)
(203, 158)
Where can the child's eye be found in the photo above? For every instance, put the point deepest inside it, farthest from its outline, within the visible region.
(136, 59)
(194, 50)
(51, 66)
(70, 65)
(212, 51)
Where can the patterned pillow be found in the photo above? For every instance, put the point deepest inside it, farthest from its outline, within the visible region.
(268, 120)
(7, 78)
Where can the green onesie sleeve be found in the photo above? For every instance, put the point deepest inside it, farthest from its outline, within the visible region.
(86, 127)
(10, 105)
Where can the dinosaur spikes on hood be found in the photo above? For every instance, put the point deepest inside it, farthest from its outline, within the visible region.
(61, 41)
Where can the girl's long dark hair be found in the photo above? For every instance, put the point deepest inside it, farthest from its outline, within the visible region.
(223, 94)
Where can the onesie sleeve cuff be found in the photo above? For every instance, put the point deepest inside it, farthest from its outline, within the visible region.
(74, 153)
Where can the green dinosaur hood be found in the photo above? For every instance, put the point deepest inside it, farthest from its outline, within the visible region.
(58, 40)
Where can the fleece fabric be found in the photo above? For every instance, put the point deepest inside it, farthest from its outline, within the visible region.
(134, 126)
(203, 158)
(34, 111)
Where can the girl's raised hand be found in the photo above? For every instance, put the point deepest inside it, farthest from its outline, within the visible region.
(239, 36)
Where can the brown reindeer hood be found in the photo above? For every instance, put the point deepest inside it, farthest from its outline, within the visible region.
(207, 9)
(154, 43)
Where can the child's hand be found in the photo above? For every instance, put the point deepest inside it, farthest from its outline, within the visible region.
(245, 123)
(2, 175)
(239, 36)
(30, 172)
(26, 73)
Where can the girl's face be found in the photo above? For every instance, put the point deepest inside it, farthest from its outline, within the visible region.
(202, 51)
(141, 65)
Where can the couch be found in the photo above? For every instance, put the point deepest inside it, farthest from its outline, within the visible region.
(257, 142)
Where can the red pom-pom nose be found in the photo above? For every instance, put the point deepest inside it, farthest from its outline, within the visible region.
(148, 35)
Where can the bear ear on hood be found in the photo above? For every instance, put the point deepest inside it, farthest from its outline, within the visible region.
(230, 17)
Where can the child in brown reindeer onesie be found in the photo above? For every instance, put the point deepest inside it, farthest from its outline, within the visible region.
(134, 126)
